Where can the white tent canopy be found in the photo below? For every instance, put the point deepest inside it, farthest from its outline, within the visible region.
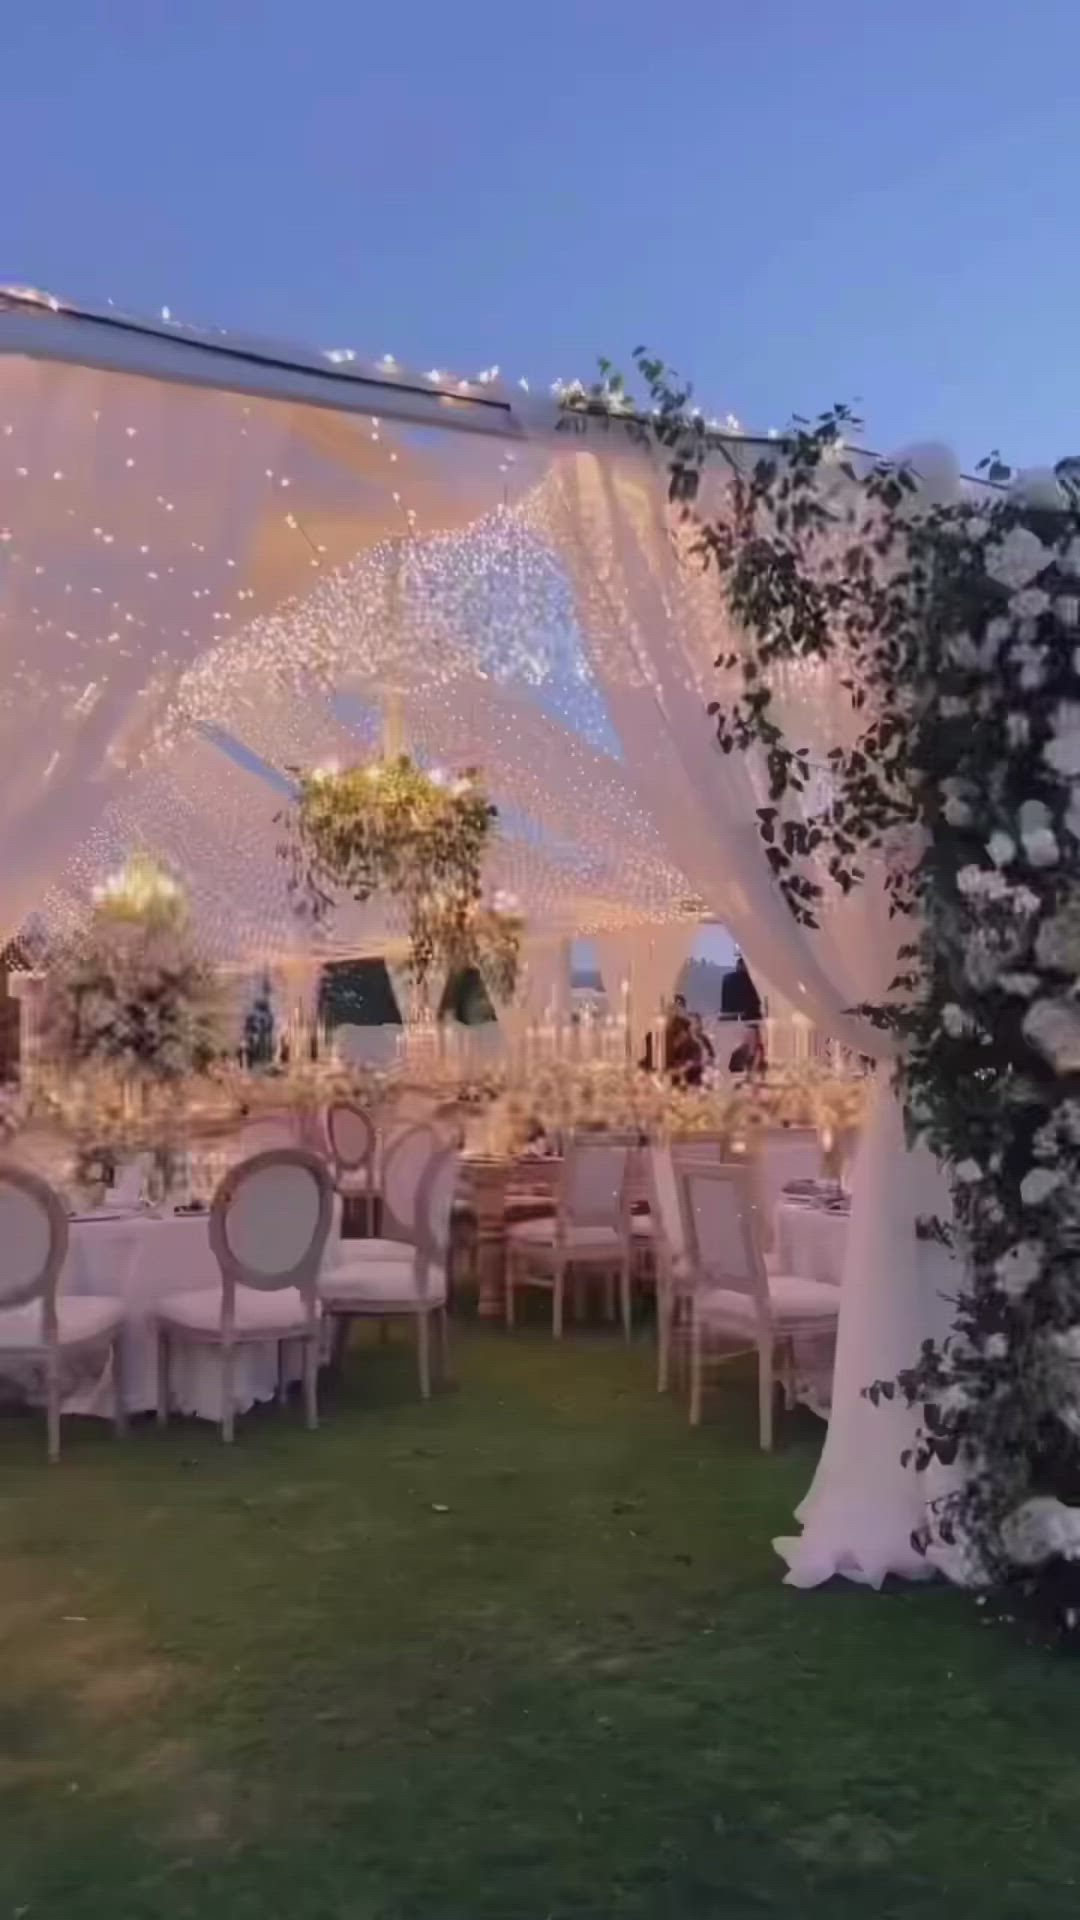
(215, 553)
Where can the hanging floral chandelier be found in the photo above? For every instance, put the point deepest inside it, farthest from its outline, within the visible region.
(390, 826)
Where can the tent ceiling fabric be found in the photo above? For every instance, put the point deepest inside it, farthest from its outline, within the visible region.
(182, 562)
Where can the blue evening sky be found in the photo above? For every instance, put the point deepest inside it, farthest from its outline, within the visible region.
(796, 201)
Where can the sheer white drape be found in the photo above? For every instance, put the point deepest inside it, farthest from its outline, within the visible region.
(653, 628)
(649, 960)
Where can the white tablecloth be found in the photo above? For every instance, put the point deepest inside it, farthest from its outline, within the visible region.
(811, 1243)
(139, 1260)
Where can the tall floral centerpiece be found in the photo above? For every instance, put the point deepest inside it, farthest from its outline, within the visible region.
(390, 826)
(130, 995)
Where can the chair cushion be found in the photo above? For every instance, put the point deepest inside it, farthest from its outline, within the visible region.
(354, 1180)
(380, 1285)
(78, 1317)
(541, 1233)
(277, 1315)
(790, 1297)
(348, 1256)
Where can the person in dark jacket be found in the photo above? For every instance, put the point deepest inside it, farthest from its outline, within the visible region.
(739, 999)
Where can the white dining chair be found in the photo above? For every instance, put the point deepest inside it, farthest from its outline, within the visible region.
(269, 1224)
(732, 1296)
(411, 1280)
(353, 1141)
(38, 1325)
(590, 1231)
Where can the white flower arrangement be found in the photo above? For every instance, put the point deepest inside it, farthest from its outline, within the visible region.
(130, 993)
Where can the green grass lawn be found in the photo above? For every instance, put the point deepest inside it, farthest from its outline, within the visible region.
(283, 1681)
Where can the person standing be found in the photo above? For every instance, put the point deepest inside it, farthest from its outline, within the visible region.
(739, 998)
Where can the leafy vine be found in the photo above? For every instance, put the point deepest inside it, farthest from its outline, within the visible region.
(953, 630)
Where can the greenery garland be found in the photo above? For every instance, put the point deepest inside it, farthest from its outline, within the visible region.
(390, 826)
(955, 632)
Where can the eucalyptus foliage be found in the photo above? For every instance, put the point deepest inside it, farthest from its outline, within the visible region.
(953, 633)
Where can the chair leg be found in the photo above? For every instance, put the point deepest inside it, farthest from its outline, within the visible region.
(444, 1345)
(119, 1407)
(228, 1396)
(311, 1382)
(339, 1340)
(557, 1303)
(282, 1375)
(626, 1299)
(765, 1394)
(52, 1406)
(508, 1290)
(663, 1343)
(695, 1370)
(162, 1377)
(423, 1355)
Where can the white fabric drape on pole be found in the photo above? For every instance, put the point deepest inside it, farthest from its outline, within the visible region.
(652, 630)
(650, 960)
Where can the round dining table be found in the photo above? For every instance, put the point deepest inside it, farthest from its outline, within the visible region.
(138, 1258)
(811, 1240)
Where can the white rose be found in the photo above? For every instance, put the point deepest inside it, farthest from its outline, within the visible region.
(1038, 487)
(1042, 1527)
(1038, 1185)
(1041, 847)
(1029, 604)
(1032, 667)
(954, 1020)
(1017, 729)
(1017, 559)
(1067, 608)
(1002, 848)
(1054, 1027)
(1033, 814)
(969, 880)
(1018, 1269)
(996, 1347)
(967, 1173)
(1063, 751)
(957, 813)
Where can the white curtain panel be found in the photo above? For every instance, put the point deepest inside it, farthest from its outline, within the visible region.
(650, 960)
(653, 628)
